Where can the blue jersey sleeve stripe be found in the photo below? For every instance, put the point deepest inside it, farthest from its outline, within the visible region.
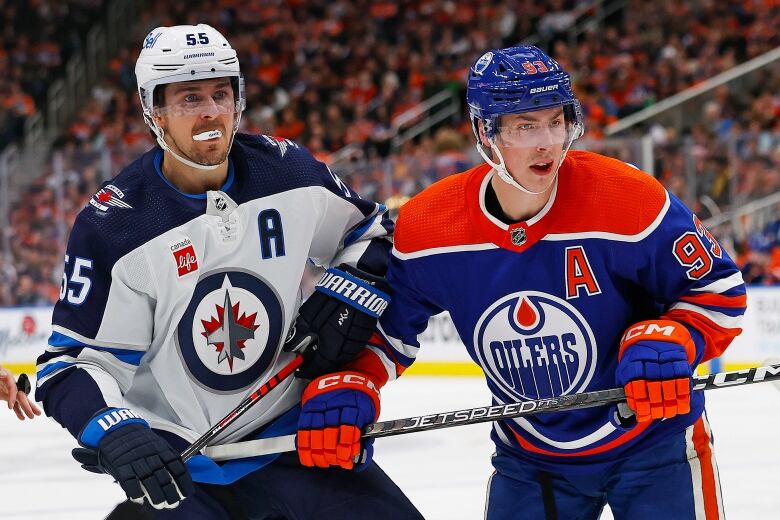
(355, 234)
(54, 367)
(57, 339)
(131, 357)
(739, 290)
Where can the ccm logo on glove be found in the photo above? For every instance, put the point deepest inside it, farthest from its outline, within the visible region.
(650, 328)
(345, 380)
(334, 410)
(655, 365)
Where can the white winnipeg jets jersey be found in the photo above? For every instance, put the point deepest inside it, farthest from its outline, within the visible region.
(177, 306)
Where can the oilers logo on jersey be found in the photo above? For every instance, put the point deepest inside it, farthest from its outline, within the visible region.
(230, 330)
(534, 345)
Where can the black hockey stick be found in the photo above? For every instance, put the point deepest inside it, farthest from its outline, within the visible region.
(497, 412)
(299, 345)
(555, 404)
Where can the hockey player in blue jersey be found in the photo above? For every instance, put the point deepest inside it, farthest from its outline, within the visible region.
(182, 277)
(564, 272)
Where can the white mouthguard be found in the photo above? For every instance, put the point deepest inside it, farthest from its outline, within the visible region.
(205, 136)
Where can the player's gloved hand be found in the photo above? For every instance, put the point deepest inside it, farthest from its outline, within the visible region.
(343, 312)
(118, 442)
(335, 409)
(655, 369)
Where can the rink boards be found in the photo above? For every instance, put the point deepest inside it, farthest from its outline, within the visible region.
(24, 331)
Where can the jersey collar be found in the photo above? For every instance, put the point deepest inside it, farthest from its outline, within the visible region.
(518, 236)
(158, 157)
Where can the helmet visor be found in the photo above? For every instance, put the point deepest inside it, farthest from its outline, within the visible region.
(536, 129)
(200, 107)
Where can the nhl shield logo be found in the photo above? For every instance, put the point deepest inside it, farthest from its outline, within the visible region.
(220, 204)
(518, 236)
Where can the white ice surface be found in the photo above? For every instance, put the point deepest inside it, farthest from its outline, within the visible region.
(444, 472)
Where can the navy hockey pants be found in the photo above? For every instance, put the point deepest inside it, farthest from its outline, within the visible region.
(287, 490)
(677, 479)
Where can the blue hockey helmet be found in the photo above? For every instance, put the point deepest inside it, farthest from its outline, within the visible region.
(516, 80)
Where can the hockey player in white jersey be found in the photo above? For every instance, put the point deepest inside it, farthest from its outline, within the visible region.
(181, 281)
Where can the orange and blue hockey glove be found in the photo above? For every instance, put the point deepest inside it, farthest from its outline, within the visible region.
(334, 410)
(655, 368)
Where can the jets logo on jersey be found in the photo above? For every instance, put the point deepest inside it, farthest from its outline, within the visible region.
(228, 330)
(229, 334)
(110, 195)
(151, 39)
(534, 345)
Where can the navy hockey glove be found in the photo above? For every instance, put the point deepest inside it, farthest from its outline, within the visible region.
(118, 442)
(343, 312)
(655, 363)
(335, 409)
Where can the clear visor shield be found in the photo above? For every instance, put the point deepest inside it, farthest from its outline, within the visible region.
(213, 106)
(519, 132)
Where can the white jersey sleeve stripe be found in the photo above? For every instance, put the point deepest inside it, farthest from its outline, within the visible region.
(722, 320)
(386, 362)
(409, 351)
(722, 285)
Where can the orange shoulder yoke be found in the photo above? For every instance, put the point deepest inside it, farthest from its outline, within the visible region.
(439, 215)
(602, 194)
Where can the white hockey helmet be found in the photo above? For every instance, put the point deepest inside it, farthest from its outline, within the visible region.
(186, 53)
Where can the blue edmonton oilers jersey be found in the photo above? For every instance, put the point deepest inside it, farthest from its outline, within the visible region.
(177, 305)
(541, 305)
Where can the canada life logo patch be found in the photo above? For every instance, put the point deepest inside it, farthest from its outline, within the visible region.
(231, 329)
(184, 256)
(534, 345)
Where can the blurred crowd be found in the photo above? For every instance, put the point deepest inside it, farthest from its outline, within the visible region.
(38, 38)
(758, 254)
(335, 75)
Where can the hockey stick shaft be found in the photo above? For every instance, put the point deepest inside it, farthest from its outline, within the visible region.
(242, 408)
(297, 343)
(555, 404)
(494, 413)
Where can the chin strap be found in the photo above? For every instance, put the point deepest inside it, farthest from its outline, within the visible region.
(504, 174)
(160, 133)
(500, 166)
